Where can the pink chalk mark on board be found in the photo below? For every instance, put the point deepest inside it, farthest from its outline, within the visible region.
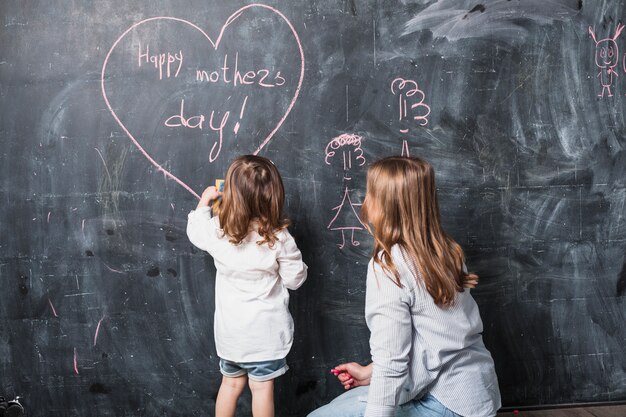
(54, 311)
(95, 336)
(405, 148)
(411, 107)
(419, 111)
(346, 218)
(243, 108)
(607, 57)
(350, 145)
(351, 221)
(215, 44)
(75, 362)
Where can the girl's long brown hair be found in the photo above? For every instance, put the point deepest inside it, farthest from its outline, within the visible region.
(401, 207)
(253, 192)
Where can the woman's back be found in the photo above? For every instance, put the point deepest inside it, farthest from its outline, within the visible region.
(443, 353)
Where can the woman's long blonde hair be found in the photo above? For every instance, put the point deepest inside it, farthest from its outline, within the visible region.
(253, 192)
(401, 207)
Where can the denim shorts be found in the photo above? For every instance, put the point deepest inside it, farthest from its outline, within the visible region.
(257, 371)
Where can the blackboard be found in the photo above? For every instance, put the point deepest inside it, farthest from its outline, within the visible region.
(114, 114)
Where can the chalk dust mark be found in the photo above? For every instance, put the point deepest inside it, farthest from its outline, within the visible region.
(374, 30)
(75, 362)
(54, 311)
(95, 336)
(105, 166)
(112, 269)
(621, 281)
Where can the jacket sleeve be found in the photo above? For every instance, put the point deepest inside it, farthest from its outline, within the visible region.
(291, 268)
(201, 229)
(388, 316)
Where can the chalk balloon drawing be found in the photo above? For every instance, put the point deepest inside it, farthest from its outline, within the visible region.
(412, 110)
(224, 122)
(411, 104)
(607, 57)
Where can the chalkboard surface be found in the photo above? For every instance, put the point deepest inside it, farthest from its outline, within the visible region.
(115, 115)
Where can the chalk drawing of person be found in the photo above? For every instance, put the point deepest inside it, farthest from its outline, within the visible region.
(607, 56)
(346, 218)
(351, 152)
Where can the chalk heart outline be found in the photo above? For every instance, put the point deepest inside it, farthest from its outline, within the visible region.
(215, 44)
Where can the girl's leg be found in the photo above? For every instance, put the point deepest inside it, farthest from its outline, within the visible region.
(229, 392)
(262, 398)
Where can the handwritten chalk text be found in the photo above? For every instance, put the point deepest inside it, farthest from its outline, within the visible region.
(261, 77)
(163, 62)
(198, 122)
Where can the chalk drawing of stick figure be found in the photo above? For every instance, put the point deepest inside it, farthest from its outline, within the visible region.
(346, 218)
(411, 107)
(350, 146)
(607, 56)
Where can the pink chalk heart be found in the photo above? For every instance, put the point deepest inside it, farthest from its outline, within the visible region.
(167, 69)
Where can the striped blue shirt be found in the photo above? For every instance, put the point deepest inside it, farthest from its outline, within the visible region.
(418, 347)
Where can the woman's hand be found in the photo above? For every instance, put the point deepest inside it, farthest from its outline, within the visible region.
(208, 195)
(353, 375)
(470, 281)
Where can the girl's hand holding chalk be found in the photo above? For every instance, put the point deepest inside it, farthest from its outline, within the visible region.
(352, 374)
(208, 195)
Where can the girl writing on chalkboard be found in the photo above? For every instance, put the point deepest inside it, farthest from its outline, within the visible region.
(257, 261)
(428, 356)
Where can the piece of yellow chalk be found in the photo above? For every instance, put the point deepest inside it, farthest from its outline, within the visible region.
(219, 185)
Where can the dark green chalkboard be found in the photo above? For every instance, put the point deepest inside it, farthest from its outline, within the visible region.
(115, 115)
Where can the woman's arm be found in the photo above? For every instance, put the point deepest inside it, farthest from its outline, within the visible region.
(353, 375)
(388, 316)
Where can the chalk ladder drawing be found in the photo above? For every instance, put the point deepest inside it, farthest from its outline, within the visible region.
(607, 57)
(411, 107)
(346, 218)
(214, 44)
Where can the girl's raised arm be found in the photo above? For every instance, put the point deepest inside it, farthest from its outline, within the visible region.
(291, 268)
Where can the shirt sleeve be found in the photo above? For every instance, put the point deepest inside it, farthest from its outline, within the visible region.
(291, 268)
(388, 316)
(201, 229)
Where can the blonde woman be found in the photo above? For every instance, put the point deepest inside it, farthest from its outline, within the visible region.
(428, 356)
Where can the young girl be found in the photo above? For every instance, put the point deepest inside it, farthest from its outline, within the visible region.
(428, 356)
(257, 261)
